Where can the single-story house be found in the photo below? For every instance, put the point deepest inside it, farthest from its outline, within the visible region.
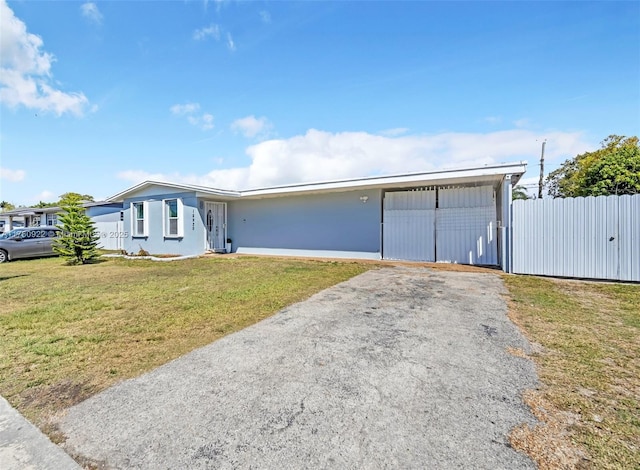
(106, 215)
(458, 216)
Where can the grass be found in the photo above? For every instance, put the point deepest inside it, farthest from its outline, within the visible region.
(589, 363)
(71, 331)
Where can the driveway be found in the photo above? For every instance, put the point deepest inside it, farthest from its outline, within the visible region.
(401, 367)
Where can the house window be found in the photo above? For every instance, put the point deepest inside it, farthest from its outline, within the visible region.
(52, 219)
(173, 219)
(139, 220)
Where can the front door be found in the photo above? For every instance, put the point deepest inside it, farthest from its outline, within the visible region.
(216, 225)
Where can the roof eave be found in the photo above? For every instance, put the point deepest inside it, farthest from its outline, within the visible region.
(199, 190)
(492, 174)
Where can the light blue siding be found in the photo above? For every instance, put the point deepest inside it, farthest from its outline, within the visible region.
(330, 222)
(106, 213)
(193, 241)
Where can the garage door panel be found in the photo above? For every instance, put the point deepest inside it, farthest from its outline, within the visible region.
(409, 235)
(452, 224)
(467, 235)
(410, 200)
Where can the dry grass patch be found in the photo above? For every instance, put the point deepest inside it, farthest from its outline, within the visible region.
(71, 331)
(590, 368)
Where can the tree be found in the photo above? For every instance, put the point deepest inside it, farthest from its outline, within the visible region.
(78, 242)
(612, 169)
(519, 192)
(74, 196)
(42, 204)
(6, 206)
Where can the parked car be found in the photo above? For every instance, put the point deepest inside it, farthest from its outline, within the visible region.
(28, 242)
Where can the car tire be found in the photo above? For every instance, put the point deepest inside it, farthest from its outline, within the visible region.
(3, 256)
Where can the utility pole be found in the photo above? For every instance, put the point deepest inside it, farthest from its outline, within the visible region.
(541, 170)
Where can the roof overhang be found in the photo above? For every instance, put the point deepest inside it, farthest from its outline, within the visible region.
(201, 191)
(493, 175)
(488, 174)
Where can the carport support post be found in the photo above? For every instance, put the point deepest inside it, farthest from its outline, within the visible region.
(506, 224)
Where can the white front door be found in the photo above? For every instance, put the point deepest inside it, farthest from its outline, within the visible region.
(216, 225)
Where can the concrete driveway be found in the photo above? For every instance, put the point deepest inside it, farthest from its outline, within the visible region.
(396, 368)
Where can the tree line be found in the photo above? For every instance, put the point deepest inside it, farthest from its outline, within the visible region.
(613, 169)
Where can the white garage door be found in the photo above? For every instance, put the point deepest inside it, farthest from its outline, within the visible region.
(408, 225)
(466, 226)
(456, 225)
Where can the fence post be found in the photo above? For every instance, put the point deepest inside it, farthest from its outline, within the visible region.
(505, 228)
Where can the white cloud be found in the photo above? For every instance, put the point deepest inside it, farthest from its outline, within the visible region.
(46, 196)
(230, 44)
(183, 109)
(265, 16)
(12, 175)
(206, 121)
(319, 155)
(25, 71)
(218, 3)
(522, 123)
(493, 119)
(251, 126)
(203, 33)
(214, 31)
(90, 10)
(396, 131)
(190, 111)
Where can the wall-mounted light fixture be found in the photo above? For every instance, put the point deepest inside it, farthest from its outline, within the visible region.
(364, 199)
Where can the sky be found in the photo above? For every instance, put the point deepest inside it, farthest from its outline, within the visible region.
(96, 97)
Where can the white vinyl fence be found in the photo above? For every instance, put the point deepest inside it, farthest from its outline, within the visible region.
(593, 237)
(111, 235)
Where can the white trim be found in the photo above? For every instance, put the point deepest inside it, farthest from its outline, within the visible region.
(180, 218)
(134, 219)
(488, 173)
(492, 174)
(309, 253)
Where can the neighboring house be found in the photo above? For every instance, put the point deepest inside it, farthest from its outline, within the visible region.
(106, 215)
(459, 216)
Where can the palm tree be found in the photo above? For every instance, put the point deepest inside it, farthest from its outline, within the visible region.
(6, 206)
(519, 192)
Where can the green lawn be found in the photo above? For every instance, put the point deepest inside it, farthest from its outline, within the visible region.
(589, 364)
(70, 331)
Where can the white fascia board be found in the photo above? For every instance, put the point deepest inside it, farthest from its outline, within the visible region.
(201, 191)
(493, 174)
(488, 174)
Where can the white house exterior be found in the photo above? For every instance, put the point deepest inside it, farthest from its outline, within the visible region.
(459, 216)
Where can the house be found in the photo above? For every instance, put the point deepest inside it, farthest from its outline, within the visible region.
(458, 216)
(106, 216)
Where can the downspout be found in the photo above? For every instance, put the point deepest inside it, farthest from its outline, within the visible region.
(506, 224)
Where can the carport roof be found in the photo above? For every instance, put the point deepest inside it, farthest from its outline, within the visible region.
(487, 174)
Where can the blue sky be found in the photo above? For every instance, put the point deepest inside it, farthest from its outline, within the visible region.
(98, 96)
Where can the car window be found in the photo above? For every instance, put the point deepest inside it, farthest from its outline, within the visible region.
(9, 234)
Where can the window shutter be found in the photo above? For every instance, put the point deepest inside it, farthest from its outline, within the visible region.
(180, 218)
(165, 219)
(132, 213)
(145, 208)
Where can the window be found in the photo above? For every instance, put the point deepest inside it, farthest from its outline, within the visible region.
(139, 219)
(52, 219)
(173, 219)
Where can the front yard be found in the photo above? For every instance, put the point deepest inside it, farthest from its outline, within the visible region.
(71, 331)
